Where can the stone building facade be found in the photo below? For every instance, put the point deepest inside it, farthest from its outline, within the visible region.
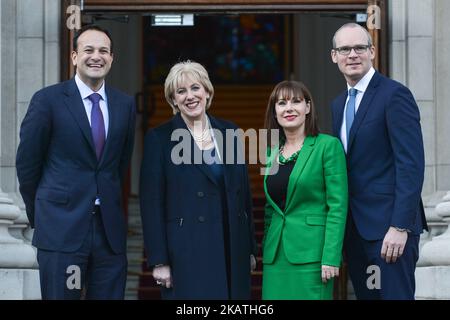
(419, 47)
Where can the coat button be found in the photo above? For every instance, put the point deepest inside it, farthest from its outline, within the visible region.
(200, 194)
(201, 218)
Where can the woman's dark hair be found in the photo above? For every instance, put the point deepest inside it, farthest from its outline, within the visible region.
(288, 90)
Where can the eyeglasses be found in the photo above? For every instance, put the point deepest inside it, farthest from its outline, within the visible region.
(359, 49)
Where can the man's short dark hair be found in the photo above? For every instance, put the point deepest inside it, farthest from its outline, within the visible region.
(90, 27)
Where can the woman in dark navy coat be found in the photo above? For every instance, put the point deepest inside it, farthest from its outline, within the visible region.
(195, 197)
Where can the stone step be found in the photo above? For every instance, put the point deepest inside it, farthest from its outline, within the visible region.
(140, 282)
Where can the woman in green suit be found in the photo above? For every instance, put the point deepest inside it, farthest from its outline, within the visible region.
(306, 200)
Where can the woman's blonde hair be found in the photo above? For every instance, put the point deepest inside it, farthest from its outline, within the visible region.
(178, 74)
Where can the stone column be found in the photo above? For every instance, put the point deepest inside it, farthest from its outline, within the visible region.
(19, 278)
(14, 252)
(442, 71)
(21, 229)
(420, 46)
(17, 230)
(437, 251)
(413, 62)
(436, 226)
(433, 281)
(420, 72)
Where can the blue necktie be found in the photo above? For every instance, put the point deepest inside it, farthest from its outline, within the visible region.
(97, 124)
(350, 111)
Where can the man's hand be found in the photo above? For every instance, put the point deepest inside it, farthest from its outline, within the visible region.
(162, 276)
(329, 272)
(393, 244)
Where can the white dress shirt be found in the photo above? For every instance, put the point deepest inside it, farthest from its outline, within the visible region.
(85, 92)
(361, 86)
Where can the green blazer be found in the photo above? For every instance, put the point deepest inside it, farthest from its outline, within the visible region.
(313, 222)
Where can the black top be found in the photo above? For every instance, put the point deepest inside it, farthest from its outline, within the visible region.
(277, 184)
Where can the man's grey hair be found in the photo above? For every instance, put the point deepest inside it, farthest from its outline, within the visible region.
(353, 25)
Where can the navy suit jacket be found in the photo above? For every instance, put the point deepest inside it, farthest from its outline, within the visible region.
(58, 171)
(385, 159)
(182, 216)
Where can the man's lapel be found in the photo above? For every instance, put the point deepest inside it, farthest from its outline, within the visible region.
(363, 108)
(75, 105)
(113, 113)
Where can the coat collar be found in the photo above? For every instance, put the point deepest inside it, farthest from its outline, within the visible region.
(308, 147)
(271, 158)
(178, 123)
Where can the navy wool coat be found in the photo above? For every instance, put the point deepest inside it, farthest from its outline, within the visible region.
(182, 217)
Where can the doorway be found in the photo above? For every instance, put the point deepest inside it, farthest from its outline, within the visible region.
(246, 54)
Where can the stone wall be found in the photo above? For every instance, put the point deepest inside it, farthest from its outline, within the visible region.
(412, 62)
(442, 80)
(29, 60)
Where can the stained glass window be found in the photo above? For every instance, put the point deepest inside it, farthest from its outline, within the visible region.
(238, 49)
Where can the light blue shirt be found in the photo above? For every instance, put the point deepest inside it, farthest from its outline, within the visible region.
(361, 86)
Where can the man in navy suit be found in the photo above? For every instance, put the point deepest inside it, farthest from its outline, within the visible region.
(378, 122)
(75, 145)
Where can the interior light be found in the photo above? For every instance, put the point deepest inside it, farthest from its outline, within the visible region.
(172, 20)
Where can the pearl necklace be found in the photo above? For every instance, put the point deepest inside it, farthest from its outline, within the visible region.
(204, 136)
